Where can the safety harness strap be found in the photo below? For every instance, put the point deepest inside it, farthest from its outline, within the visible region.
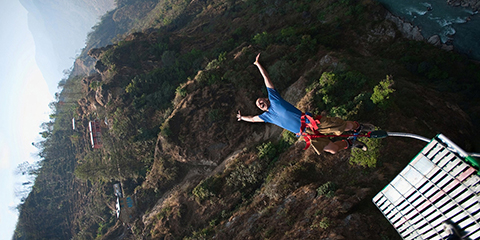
(312, 125)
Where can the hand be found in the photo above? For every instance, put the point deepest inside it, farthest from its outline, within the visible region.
(256, 60)
(239, 116)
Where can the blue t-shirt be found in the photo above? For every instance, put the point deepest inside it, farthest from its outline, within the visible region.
(282, 113)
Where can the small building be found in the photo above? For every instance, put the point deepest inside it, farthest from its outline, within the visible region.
(125, 206)
(125, 209)
(95, 134)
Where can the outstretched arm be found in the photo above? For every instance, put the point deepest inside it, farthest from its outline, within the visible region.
(248, 118)
(266, 78)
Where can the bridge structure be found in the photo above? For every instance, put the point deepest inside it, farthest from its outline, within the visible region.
(441, 183)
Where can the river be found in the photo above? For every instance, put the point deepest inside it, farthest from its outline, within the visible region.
(455, 25)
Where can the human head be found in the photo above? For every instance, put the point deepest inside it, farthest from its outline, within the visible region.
(263, 103)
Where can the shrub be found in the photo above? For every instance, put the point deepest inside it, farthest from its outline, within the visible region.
(288, 36)
(245, 175)
(327, 189)
(381, 93)
(207, 188)
(181, 90)
(216, 63)
(165, 129)
(289, 137)
(266, 150)
(342, 93)
(369, 158)
(325, 223)
(263, 39)
(95, 85)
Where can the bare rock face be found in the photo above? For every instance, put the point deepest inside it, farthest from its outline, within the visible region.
(407, 29)
(95, 97)
(102, 96)
(415, 33)
(435, 40)
(473, 4)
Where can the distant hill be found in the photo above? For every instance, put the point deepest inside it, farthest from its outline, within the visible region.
(59, 29)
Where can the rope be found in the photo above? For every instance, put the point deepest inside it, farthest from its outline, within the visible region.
(411, 135)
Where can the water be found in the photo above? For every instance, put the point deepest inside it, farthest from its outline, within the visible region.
(457, 25)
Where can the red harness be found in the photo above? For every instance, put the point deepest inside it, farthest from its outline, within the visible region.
(312, 125)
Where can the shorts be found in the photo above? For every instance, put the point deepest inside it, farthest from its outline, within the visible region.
(328, 126)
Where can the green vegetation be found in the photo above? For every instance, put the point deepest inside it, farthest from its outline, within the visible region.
(344, 93)
(369, 158)
(324, 223)
(381, 93)
(207, 188)
(245, 175)
(327, 189)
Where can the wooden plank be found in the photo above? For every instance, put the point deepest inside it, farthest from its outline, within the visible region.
(473, 235)
(474, 210)
(437, 159)
(435, 229)
(422, 219)
(459, 170)
(392, 210)
(412, 235)
(398, 219)
(428, 189)
(467, 223)
(467, 198)
(457, 218)
(472, 181)
(417, 198)
(429, 147)
(405, 226)
(406, 229)
(411, 214)
(379, 198)
(384, 206)
(433, 151)
(450, 165)
(411, 194)
(445, 160)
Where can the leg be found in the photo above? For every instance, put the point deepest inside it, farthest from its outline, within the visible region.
(451, 230)
(334, 147)
(350, 125)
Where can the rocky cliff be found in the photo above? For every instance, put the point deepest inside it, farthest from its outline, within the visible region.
(474, 4)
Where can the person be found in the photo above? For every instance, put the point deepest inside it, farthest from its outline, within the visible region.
(451, 230)
(283, 114)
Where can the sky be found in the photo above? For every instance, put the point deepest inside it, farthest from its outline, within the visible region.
(24, 99)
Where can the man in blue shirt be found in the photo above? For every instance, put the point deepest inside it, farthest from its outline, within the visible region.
(285, 115)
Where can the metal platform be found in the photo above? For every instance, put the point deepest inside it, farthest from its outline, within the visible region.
(437, 185)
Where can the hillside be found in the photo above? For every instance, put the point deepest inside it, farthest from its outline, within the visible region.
(169, 95)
